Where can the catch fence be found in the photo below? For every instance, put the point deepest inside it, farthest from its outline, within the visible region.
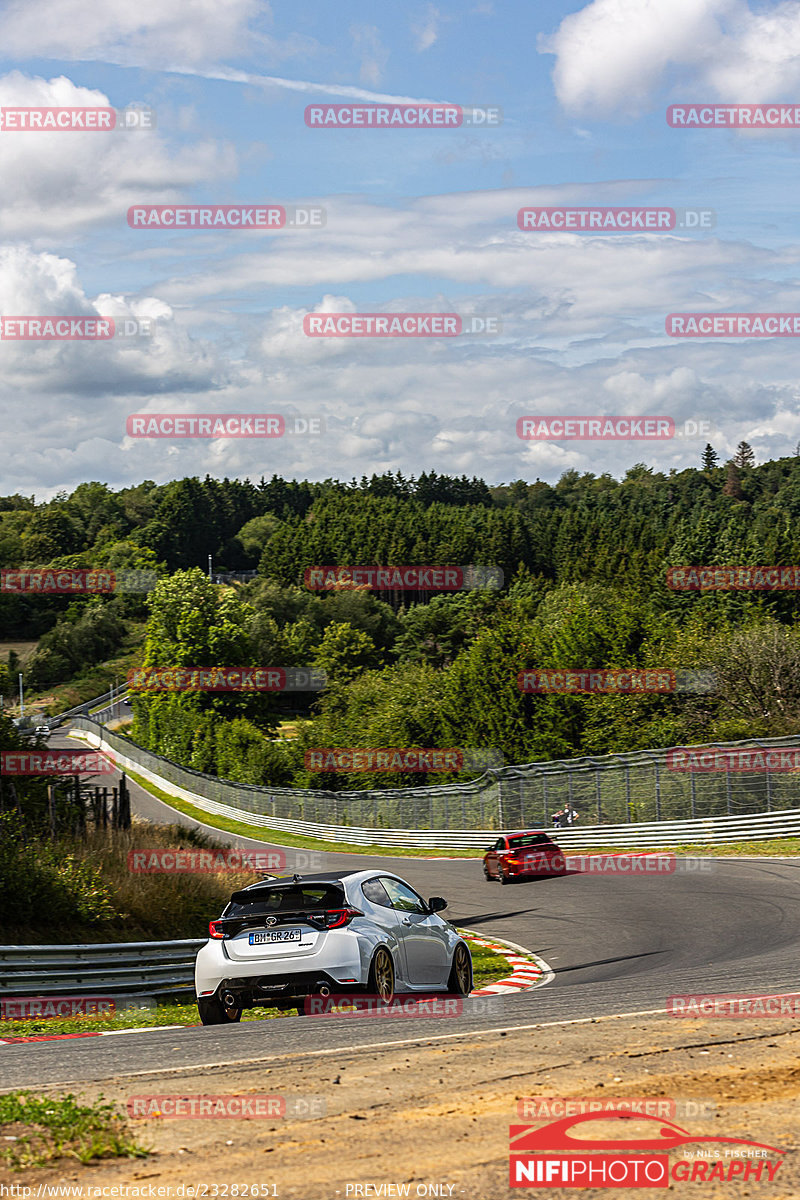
(609, 790)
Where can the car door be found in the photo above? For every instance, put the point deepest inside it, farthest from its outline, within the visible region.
(491, 857)
(389, 921)
(424, 934)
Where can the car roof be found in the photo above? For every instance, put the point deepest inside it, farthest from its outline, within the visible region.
(318, 877)
(524, 832)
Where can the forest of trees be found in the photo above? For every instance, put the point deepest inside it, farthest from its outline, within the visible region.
(584, 563)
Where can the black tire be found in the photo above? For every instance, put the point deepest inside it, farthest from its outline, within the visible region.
(380, 981)
(213, 1011)
(460, 981)
(487, 874)
(502, 876)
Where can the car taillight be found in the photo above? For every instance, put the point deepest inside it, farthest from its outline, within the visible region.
(336, 917)
(215, 929)
(513, 860)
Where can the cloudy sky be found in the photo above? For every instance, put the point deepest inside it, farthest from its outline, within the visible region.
(415, 221)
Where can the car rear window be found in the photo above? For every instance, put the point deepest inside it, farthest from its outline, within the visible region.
(530, 839)
(302, 898)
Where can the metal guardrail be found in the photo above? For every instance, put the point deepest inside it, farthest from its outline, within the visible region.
(646, 834)
(613, 791)
(127, 968)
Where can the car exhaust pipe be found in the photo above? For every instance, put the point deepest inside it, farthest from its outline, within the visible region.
(322, 988)
(229, 1000)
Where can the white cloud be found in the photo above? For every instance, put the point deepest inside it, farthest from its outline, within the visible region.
(62, 181)
(426, 29)
(147, 33)
(612, 56)
(44, 285)
(373, 54)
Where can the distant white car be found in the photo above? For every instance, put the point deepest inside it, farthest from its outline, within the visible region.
(281, 940)
(41, 731)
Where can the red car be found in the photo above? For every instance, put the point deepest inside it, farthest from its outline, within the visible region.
(529, 852)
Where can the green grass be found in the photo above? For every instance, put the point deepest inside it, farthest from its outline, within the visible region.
(776, 847)
(45, 1128)
(487, 966)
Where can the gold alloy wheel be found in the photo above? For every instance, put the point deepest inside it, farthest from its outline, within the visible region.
(461, 969)
(382, 975)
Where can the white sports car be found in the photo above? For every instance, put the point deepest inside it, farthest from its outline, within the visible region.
(281, 940)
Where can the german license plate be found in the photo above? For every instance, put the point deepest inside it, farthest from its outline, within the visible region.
(274, 935)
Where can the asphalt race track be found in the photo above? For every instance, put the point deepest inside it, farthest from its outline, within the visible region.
(616, 944)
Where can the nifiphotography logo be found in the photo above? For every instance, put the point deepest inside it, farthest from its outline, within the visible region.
(551, 1156)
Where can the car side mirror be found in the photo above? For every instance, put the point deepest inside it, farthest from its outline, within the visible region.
(437, 903)
(488, 848)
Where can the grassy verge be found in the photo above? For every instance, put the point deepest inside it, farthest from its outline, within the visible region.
(82, 889)
(774, 848)
(488, 967)
(37, 1130)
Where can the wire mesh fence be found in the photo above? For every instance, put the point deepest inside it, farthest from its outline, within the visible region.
(642, 786)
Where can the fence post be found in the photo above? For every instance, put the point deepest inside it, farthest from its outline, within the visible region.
(597, 790)
(658, 793)
(544, 797)
(627, 792)
(769, 790)
(693, 783)
(728, 790)
(51, 807)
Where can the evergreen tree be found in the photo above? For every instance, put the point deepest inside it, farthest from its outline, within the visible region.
(744, 456)
(710, 457)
